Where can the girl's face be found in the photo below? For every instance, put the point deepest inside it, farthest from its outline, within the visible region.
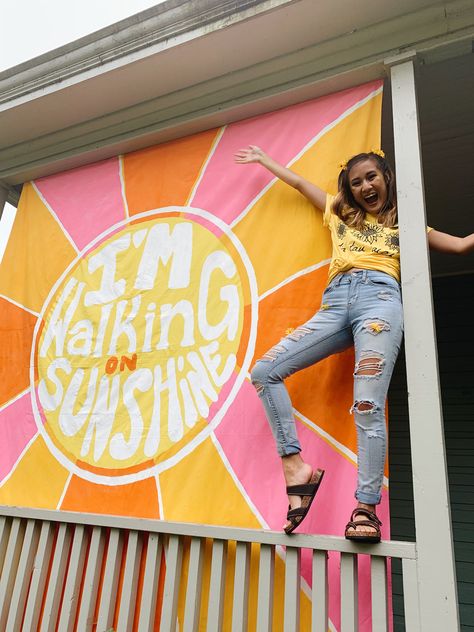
(368, 186)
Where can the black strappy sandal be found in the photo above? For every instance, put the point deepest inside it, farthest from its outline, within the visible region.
(372, 521)
(307, 493)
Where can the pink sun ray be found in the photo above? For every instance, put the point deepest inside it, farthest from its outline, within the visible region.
(92, 193)
(17, 428)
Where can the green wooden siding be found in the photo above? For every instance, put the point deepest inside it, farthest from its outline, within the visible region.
(454, 309)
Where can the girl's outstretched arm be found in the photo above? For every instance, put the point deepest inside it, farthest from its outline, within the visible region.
(254, 154)
(443, 242)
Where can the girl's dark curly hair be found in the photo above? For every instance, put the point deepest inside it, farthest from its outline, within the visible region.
(344, 204)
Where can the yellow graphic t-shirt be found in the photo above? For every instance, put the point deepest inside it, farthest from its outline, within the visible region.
(373, 247)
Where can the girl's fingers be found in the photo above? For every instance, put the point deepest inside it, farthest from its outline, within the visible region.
(242, 158)
(249, 154)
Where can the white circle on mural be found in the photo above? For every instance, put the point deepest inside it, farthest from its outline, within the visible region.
(143, 344)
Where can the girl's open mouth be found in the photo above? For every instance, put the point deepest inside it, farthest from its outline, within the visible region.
(371, 199)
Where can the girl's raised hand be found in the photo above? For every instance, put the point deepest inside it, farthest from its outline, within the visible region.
(254, 154)
(251, 154)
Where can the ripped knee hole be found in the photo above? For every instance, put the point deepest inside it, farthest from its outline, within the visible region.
(292, 334)
(363, 407)
(370, 364)
(273, 353)
(298, 333)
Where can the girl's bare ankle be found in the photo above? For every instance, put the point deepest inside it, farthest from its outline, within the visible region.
(295, 470)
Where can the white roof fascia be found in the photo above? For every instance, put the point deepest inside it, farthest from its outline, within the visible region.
(165, 26)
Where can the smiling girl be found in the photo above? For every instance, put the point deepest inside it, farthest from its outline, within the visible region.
(361, 306)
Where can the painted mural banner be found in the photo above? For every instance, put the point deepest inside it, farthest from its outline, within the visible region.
(135, 295)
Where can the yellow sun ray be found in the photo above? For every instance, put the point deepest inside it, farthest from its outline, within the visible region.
(36, 237)
(38, 465)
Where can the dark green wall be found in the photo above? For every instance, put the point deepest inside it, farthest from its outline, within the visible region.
(454, 311)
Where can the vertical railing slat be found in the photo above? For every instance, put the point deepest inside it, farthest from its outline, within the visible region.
(5, 526)
(349, 593)
(291, 617)
(67, 615)
(266, 572)
(39, 576)
(217, 586)
(241, 587)
(194, 586)
(410, 595)
(320, 592)
(128, 595)
(23, 575)
(91, 580)
(378, 574)
(146, 622)
(108, 594)
(56, 579)
(10, 565)
(174, 559)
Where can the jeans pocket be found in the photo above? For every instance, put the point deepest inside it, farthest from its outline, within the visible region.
(383, 279)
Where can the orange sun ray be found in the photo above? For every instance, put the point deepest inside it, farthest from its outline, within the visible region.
(16, 335)
(165, 175)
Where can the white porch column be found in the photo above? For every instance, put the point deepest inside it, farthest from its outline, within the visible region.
(434, 542)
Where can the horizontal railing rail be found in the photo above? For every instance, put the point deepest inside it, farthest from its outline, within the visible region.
(73, 571)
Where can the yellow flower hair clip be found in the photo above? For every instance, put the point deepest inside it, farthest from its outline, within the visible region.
(378, 152)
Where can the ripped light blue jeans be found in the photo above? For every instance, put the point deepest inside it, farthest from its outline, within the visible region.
(361, 308)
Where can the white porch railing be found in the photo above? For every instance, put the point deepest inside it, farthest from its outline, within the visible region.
(70, 571)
